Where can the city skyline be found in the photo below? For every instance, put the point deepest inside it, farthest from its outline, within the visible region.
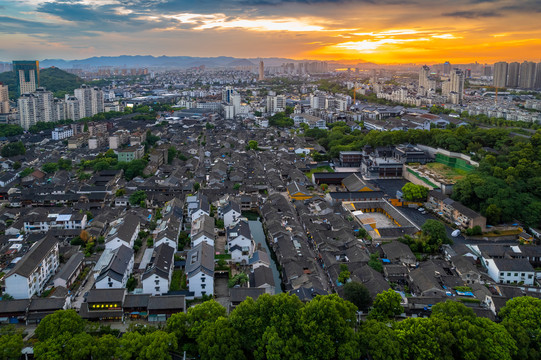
(391, 31)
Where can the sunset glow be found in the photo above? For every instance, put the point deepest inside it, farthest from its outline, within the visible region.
(387, 32)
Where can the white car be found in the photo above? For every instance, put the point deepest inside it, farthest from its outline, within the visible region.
(455, 233)
(421, 209)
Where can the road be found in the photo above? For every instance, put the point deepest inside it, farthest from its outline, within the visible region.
(78, 300)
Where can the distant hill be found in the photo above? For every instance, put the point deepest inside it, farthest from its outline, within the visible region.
(241, 62)
(164, 61)
(53, 79)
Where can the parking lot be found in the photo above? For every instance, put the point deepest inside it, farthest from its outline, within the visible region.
(390, 186)
(419, 219)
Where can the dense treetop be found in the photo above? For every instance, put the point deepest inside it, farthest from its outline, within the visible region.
(283, 327)
(53, 79)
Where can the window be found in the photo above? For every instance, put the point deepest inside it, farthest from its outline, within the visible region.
(203, 286)
(508, 274)
(203, 279)
(516, 274)
(203, 293)
(157, 282)
(157, 288)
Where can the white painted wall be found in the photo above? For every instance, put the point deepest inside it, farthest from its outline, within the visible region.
(155, 285)
(199, 283)
(231, 218)
(508, 277)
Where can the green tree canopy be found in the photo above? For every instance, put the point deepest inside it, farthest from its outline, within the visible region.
(358, 295)
(379, 341)
(138, 197)
(327, 327)
(521, 317)
(412, 192)
(13, 149)
(220, 340)
(386, 306)
(62, 321)
(11, 342)
(268, 326)
(50, 168)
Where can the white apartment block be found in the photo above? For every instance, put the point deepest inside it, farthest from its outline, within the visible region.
(510, 271)
(38, 222)
(33, 271)
(4, 99)
(35, 107)
(90, 100)
(27, 86)
(61, 133)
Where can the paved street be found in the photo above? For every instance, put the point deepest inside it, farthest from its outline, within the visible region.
(76, 304)
(221, 291)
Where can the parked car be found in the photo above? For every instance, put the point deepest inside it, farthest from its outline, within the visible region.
(421, 209)
(455, 233)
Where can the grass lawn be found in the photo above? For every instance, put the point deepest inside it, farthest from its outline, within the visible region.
(250, 215)
(318, 169)
(447, 171)
(176, 280)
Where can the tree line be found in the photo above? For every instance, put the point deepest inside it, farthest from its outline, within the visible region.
(283, 327)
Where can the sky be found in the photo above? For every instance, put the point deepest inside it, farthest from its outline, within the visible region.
(379, 31)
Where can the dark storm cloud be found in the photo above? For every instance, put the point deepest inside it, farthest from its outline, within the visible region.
(100, 18)
(473, 14)
(524, 6)
(80, 12)
(20, 25)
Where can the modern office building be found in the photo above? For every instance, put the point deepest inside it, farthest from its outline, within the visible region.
(33, 271)
(227, 93)
(500, 74)
(27, 73)
(447, 67)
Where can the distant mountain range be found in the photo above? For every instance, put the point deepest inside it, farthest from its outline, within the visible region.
(163, 61)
